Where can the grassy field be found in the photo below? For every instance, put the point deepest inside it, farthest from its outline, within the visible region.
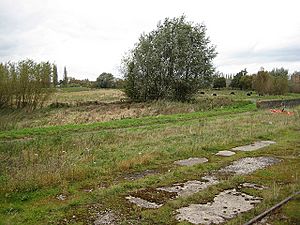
(88, 162)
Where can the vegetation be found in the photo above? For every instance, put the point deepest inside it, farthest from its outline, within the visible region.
(71, 159)
(274, 82)
(25, 84)
(219, 82)
(171, 62)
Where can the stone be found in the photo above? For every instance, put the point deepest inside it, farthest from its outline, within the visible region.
(255, 146)
(61, 197)
(226, 205)
(225, 153)
(143, 203)
(191, 161)
(191, 187)
(249, 165)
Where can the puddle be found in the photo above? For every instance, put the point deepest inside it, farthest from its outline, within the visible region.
(143, 203)
(249, 165)
(225, 153)
(191, 187)
(225, 205)
(255, 146)
(191, 161)
(139, 175)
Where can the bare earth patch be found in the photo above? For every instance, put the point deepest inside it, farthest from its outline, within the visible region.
(255, 146)
(225, 205)
(191, 161)
(191, 187)
(249, 165)
(139, 175)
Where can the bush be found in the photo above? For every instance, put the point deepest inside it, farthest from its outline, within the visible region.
(171, 62)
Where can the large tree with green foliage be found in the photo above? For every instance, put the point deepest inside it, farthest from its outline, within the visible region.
(171, 62)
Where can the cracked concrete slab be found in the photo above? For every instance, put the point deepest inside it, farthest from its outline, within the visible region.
(191, 161)
(225, 153)
(143, 203)
(191, 187)
(255, 146)
(106, 218)
(249, 165)
(225, 205)
(253, 186)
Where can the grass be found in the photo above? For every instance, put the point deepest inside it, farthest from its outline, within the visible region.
(35, 171)
(40, 163)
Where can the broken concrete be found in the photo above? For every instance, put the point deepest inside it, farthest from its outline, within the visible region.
(225, 205)
(143, 203)
(106, 218)
(254, 186)
(191, 161)
(255, 146)
(191, 187)
(225, 153)
(249, 165)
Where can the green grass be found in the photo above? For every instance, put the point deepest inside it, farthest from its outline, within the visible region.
(68, 159)
(29, 132)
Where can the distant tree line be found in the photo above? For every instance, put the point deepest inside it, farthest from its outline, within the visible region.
(24, 84)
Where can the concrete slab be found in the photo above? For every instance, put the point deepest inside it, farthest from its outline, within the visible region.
(225, 153)
(143, 203)
(249, 165)
(106, 218)
(191, 187)
(226, 205)
(191, 161)
(255, 146)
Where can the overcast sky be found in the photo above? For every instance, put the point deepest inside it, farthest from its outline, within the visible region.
(90, 37)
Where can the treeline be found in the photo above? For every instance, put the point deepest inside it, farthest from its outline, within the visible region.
(25, 84)
(274, 82)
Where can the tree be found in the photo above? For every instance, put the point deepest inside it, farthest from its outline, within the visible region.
(262, 83)
(280, 81)
(55, 75)
(105, 80)
(219, 82)
(235, 83)
(171, 62)
(245, 82)
(65, 80)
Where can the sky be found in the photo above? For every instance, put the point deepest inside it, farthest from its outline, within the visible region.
(92, 36)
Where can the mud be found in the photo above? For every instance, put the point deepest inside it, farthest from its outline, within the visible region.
(191, 161)
(249, 165)
(191, 187)
(154, 195)
(255, 146)
(226, 205)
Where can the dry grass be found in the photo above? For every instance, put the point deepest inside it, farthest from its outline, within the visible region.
(101, 95)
